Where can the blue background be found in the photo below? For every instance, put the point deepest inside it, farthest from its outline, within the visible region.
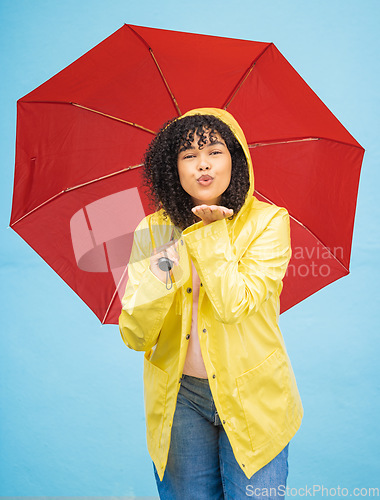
(72, 419)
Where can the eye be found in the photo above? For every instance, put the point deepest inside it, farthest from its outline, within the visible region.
(216, 152)
(189, 155)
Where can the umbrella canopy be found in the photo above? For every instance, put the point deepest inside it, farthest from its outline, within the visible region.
(82, 134)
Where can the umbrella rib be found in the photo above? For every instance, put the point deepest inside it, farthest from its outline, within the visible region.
(301, 139)
(310, 232)
(244, 77)
(103, 177)
(132, 124)
(159, 69)
(165, 82)
(114, 295)
(274, 143)
(75, 187)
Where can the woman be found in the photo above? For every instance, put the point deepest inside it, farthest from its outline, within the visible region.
(221, 399)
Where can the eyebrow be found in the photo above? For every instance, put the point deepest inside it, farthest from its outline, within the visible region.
(210, 144)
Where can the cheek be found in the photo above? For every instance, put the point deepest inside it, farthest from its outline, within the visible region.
(227, 175)
(183, 178)
(180, 173)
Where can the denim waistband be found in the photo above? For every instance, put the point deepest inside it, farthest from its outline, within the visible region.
(195, 380)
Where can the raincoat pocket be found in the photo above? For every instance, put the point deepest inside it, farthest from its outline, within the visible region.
(264, 396)
(155, 392)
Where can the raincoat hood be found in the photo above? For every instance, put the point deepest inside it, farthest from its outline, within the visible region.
(235, 128)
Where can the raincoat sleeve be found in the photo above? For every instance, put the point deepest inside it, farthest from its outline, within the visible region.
(237, 287)
(146, 300)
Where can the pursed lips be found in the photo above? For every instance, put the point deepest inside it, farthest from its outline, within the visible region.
(204, 178)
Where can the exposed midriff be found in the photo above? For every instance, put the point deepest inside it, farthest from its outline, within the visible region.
(194, 364)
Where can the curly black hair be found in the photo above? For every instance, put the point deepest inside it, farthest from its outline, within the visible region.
(160, 173)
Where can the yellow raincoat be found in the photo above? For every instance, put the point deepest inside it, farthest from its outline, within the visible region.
(241, 264)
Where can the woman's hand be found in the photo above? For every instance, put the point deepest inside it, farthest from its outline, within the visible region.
(211, 213)
(170, 252)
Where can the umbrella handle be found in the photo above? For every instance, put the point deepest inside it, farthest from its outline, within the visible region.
(165, 264)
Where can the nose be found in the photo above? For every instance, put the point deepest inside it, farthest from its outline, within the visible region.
(203, 164)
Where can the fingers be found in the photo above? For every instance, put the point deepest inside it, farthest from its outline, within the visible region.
(172, 244)
(211, 209)
(172, 254)
(212, 212)
(227, 212)
(168, 250)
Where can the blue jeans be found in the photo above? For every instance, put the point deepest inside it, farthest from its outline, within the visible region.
(201, 464)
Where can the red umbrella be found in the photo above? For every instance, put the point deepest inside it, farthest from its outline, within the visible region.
(81, 136)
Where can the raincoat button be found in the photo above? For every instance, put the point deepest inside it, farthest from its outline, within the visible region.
(214, 376)
(204, 330)
(188, 336)
(224, 421)
(188, 290)
(201, 284)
